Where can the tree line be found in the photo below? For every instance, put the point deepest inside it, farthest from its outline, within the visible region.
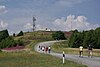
(58, 35)
(8, 41)
(85, 38)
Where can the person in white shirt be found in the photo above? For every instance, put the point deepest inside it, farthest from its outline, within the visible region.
(81, 51)
(43, 48)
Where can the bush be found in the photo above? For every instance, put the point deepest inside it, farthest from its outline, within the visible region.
(20, 33)
(20, 42)
(8, 42)
(58, 35)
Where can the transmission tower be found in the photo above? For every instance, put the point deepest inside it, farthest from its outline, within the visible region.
(34, 23)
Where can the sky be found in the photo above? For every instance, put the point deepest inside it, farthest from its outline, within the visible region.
(64, 15)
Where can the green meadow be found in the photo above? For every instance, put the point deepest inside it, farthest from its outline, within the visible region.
(30, 58)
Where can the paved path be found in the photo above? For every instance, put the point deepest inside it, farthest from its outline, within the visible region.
(90, 62)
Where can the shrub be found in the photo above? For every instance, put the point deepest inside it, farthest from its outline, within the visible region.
(58, 35)
(20, 33)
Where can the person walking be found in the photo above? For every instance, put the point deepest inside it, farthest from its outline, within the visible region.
(46, 49)
(81, 51)
(39, 47)
(90, 51)
(49, 49)
(43, 48)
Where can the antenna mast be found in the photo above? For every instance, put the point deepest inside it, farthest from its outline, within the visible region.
(34, 23)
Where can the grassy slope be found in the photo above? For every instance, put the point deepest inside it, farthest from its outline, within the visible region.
(31, 58)
(62, 46)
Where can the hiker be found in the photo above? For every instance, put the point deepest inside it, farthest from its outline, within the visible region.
(90, 51)
(49, 49)
(43, 48)
(39, 48)
(81, 51)
(46, 49)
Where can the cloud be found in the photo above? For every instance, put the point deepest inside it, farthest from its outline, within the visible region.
(40, 27)
(67, 3)
(28, 26)
(2, 9)
(3, 25)
(71, 23)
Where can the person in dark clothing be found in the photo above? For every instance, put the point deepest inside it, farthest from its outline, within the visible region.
(49, 49)
(90, 51)
(46, 49)
(39, 48)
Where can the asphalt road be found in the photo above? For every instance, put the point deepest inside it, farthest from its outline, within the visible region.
(90, 62)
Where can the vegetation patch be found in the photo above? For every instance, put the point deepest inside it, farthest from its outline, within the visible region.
(11, 49)
(31, 58)
(27, 59)
(85, 38)
(63, 46)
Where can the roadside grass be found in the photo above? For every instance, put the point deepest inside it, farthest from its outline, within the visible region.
(30, 58)
(33, 60)
(62, 46)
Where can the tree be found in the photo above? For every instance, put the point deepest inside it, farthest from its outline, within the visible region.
(75, 39)
(8, 42)
(20, 33)
(85, 38)
(97, 38)
(3, 34)
(58, 35)
(14, 34)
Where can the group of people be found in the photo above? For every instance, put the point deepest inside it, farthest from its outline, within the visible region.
(90, 51)
(45, 48)
(48, 49)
